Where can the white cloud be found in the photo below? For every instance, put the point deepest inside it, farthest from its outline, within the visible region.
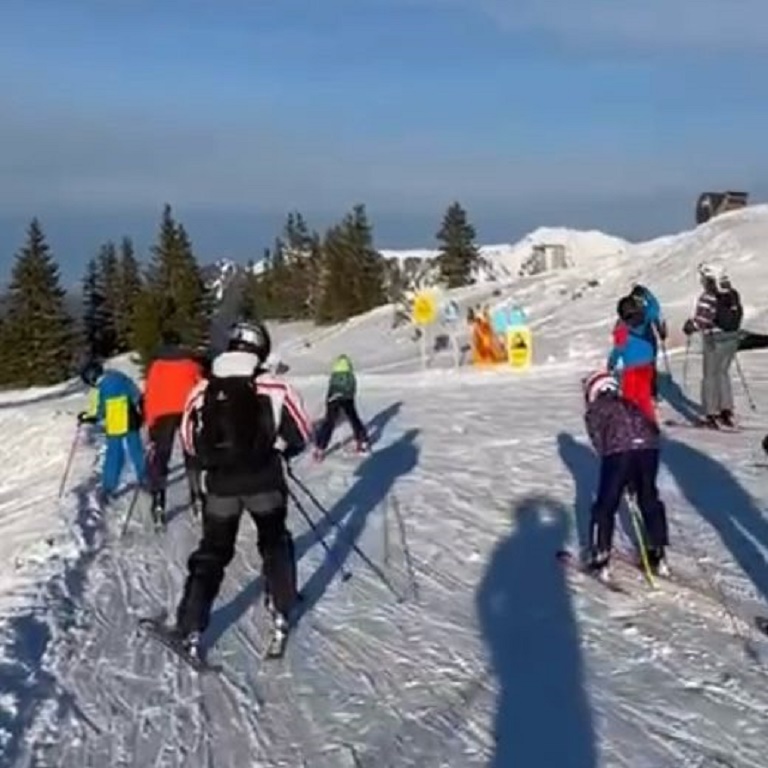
(707, 26)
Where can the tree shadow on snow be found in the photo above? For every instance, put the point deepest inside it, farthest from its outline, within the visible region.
(543, 716)
(673, 393)
(720, 499)
(376, 476)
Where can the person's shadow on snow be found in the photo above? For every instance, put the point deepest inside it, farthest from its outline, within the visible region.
(543, 717)
(584, 467)
(721, 500)
(673, 393)
(375, 478)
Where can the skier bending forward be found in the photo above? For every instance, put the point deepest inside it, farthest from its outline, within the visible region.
(240, 424)
(628, 443)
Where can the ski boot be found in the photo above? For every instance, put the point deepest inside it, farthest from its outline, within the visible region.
(277, 636)
(158, 510)
(658, 561)
(726, 419)
(599, 564)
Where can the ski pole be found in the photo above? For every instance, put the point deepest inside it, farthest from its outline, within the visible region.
(639, 526)
(68, 466)
(685, 364)
(666, 358)
(346, 575)
(744, 384)
(367, 560)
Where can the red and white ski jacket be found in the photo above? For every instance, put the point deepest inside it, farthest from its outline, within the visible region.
(291, 425)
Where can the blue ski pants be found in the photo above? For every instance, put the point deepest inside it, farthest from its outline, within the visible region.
(114, 458)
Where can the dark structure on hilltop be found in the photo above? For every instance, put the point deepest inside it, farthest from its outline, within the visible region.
(711, 204)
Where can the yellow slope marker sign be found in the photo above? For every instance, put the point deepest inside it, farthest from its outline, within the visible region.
(424, 310)
(519, 347)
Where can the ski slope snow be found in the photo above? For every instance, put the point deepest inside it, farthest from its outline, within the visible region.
(458, 641)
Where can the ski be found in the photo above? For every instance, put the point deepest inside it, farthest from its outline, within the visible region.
(571, 560)
(702, 425)
(156, 628)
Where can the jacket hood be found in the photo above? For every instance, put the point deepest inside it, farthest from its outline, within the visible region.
(235, 363)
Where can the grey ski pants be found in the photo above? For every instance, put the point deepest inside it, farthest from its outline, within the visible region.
(719, 351)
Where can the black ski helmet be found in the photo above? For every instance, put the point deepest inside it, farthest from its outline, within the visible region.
(91, 372)
(629, 310)
(250, 337)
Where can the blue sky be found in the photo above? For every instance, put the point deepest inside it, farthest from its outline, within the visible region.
(593, 113)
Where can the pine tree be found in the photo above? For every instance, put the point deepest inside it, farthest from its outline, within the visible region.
(175, 297)
(109, 277)
(94, 304)
(459, 256)
(352, 279)
(368, 286)
(333, 304)
(248, 307)
(127, 295)
(39, 333)
(299, 251)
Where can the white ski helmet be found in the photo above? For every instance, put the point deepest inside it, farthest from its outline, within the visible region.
(712, 272)
(597, 383)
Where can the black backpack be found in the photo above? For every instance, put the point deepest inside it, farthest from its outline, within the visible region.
(234, 427)
(728, 310)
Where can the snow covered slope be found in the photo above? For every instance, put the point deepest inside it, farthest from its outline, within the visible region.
(475, 649)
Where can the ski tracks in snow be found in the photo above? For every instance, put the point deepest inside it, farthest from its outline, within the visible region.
(459, 673)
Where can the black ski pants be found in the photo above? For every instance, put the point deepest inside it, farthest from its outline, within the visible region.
(207, 564)
(636, 472)
(333, 410)
(161, 436)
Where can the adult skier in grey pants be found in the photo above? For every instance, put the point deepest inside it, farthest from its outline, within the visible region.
(718, 318)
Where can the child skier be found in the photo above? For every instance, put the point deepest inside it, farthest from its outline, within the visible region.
(340, 398)
(116, 402)
(627, 442)
(632, 348)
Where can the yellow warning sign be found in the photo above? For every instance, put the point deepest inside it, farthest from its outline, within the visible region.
(519, 347)
(424, 309)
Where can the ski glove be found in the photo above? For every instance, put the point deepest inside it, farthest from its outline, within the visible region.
(85, 418)
(689, 328)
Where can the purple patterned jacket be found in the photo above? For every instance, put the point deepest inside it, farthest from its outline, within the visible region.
(616, 425)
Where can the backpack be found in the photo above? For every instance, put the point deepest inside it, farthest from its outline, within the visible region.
(728, 310)
(234, 430)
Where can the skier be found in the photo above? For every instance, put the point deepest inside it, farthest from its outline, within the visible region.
(241, 423)
(657, 328)
(627, 442)
(634, 354)
(718, 318)
(340, 398)
(171, 376)
(116, 402)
